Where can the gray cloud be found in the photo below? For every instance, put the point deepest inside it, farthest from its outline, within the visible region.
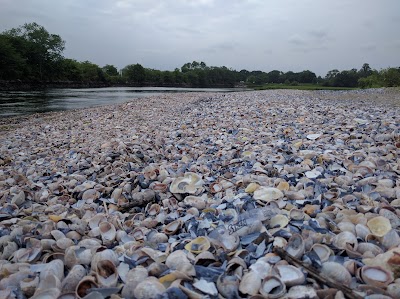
(242, 34)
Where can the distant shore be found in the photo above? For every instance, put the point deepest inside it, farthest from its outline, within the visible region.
(19, 85)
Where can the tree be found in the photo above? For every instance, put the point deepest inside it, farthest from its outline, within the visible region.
(365, 71)
(41, 49)
(274, 77)
(12, 65)
(110, 70)
(71, 70)
(391, 77)
(91, 72)
(135, 73)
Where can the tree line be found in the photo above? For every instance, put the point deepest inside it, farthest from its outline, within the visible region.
(31, 53)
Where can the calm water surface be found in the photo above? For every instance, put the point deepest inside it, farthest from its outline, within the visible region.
(13, 103)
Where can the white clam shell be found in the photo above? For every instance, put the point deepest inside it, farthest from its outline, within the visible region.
(267, 194)
(313, 136)
(149, 289)
(337, 272)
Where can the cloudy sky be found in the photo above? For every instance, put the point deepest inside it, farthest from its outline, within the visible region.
(318, 35)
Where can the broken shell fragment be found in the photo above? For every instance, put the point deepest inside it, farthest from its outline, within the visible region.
(198, 245)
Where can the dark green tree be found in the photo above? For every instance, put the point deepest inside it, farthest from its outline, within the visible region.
(42, 50)
(12, 64)
(110, 70)
(134, 73)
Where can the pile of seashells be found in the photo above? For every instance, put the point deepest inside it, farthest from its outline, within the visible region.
(270, 194)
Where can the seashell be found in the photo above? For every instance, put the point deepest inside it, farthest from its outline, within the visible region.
(74, 276)
(90, 195)
(279, 242)
(205, 258)
(278, 221)
(106, 254)
(393, 290)
(283, 186)
(251, 188)
(391, 216)
(190, 183)
(9, 250)
(77, 255)
(346, 226)
(178, 260)
(54, 267)
(172, 227)
(57, 234)
(391, 239)
(195, 201)
(296, 214)
(379, 226)
(337, 272)
(369, 247)
(156, 269)
(375, 276)
(47, 294)
(133, 278)
(86, 283)
(362, 231)
(272, 287)
(107, 232)
(313, 136)
(290, 275)
(198, 245)
(351, 266)
(345, 239)
(27, 255)
(187, 292)
(29, 285)
(298, 292)
(220, 237)
(149, 289)
(73, 235)
(18, 199)
(153, 209)
(193, 211)
(267, 194)
(323, 251)
(250, 283)
(106, 273)
(312, 174)
(205, 287)
(295, 246)
(261, 267)
(228, 286)
(62, 244)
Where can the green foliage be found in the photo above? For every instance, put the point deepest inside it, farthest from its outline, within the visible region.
(12, 65)
(391, 77)
(110, 70)
(134, 73)
(41, 50)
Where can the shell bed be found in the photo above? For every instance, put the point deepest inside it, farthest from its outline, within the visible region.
(267, 194)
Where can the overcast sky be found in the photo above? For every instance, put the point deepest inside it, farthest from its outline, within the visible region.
(318, 35)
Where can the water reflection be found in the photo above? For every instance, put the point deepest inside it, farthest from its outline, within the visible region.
(14, 103)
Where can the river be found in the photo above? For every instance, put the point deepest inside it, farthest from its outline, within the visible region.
(17, 103)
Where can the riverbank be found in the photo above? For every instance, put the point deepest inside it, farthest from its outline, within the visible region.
(153, 188)
(37, 85)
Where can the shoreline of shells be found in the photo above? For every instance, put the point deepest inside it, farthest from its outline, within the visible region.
(188, 195)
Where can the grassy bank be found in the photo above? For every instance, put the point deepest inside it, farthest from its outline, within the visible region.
(299, 87)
